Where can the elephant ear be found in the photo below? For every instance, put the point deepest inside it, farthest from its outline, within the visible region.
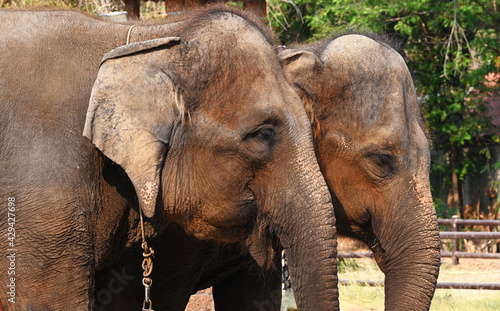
(131, 113)
(300, 67)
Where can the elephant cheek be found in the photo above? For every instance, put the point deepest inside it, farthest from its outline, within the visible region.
(215, 219)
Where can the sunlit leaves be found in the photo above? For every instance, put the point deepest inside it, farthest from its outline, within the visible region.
(450, 46)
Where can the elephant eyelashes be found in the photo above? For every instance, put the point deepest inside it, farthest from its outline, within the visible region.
(265, 134)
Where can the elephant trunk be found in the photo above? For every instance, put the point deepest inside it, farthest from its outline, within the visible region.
(311, 254)
(411, 261)
(306, 229)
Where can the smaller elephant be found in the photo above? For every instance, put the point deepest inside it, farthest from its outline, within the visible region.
(373, 151)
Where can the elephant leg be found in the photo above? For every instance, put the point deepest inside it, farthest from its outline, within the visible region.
(250, 290)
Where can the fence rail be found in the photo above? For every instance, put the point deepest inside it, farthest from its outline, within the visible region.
(469, 235)
(471, 255)
(441, 285)
(468, 222)
(454, 235)
(344, 255)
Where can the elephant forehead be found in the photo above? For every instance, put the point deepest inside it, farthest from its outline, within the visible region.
(366, 105)
(354, 138)
(361, 49)
(251, 103)
(370, 94)
(363, 62)
(233, 24)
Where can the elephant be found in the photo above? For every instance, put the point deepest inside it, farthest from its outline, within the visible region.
(192, 125)
(372, 147)
(371, 144)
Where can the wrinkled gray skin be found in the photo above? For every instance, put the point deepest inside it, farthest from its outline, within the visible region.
(194, 124)
(372, 148)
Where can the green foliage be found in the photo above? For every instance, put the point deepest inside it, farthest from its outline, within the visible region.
(442, 210)
(344, 265)
(450, 47)
(237, 4)
(490, 168)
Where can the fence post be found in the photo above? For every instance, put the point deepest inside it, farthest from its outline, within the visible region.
(454, 243)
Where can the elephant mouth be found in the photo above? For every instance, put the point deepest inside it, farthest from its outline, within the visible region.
(234, 224)
(379, 254)
(242, 217)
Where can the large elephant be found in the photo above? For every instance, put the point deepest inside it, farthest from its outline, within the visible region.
(193, 124)
(373, 151)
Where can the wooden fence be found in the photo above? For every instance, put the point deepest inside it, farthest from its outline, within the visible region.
(455, 235)
(441, 285)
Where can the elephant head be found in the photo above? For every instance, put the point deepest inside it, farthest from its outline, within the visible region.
(212, 136)
(373, 151)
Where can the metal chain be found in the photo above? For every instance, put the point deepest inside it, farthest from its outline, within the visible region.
(147, 266)
(147, 262)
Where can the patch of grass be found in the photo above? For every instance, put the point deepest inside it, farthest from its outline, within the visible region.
(471, 300)
(361, 298)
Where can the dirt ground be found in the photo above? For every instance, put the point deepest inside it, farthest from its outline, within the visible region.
(470, 270)
(201, 301)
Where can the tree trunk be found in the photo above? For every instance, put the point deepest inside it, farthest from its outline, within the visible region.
(455, 197)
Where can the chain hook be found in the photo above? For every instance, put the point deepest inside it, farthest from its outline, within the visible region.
(147, 305)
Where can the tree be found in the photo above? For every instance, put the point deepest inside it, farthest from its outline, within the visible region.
(451, 47)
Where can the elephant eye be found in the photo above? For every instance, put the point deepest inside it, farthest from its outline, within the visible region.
(261, 141)
(264, 134)
(381, 164)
